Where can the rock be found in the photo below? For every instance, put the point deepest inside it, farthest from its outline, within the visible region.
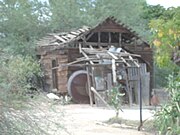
(52, 96)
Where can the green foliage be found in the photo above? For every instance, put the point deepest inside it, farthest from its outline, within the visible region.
(161, 76)
(21, 24)
(152, 12)
(166, 37)
(115, 99)
(76, 13)
(17, 75)
(168, 118)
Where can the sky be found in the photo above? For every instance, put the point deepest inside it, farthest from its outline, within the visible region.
(165, 3)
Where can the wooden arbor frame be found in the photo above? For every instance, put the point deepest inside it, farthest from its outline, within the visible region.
(93, 58)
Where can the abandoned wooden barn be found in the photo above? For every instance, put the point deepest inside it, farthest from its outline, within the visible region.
(67, 58)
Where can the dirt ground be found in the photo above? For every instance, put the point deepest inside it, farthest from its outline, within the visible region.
(87, 120)
(82, 119)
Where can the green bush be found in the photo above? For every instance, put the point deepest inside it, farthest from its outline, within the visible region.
(115, 99)
(17, 74)
(168, 118)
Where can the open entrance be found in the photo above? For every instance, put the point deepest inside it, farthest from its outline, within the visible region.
(54, 75)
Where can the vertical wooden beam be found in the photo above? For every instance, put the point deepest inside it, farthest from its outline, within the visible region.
(135, 44)
(120, 39)
(114, 72)
(54, 75)
(89, 85)
(99, 38)
(128, 85)
(139, 85)
(140, 99)
(109, 35)
(109, 81)
(84, 41)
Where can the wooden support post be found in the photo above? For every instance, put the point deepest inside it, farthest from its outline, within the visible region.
(140, 100)
(99, 38)
(114, 72)
(135, 44)
(120, 39)
(80, 48)
(129, 88)
(84, 41)
(109, 35)
(89, 86)
(109, 81)
(138, 84)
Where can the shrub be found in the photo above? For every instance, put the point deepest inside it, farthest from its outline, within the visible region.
(168, 118)
(115, 99)
(18, 72)
(16, 77)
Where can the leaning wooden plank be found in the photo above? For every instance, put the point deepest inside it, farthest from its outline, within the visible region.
(82, 65)
(93, 51)
(82, 60)
(59, 38)
(74, 33)
(112, 55)
(88, 37)
(85, 55)
(70, 36)
(130, 57)
(79, 32)
(82, 30)
(95, 92)
(65, 37)
(125, 62)
(91, 47)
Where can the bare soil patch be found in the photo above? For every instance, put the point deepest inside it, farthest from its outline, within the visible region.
(82, 119)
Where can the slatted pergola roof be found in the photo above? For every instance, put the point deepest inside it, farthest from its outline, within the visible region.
(60, 39)
(64, 38)
(104, 56)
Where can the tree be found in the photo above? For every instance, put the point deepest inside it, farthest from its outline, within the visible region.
(70, 14)
(21, 24)
(76, 13)
(166, 38)
(126, 11)
(165, 30)
(151, 12)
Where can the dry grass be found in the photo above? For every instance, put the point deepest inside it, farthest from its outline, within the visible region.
(148, 125)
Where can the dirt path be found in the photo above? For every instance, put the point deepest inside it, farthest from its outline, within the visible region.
(76, 119)
(87, 120)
